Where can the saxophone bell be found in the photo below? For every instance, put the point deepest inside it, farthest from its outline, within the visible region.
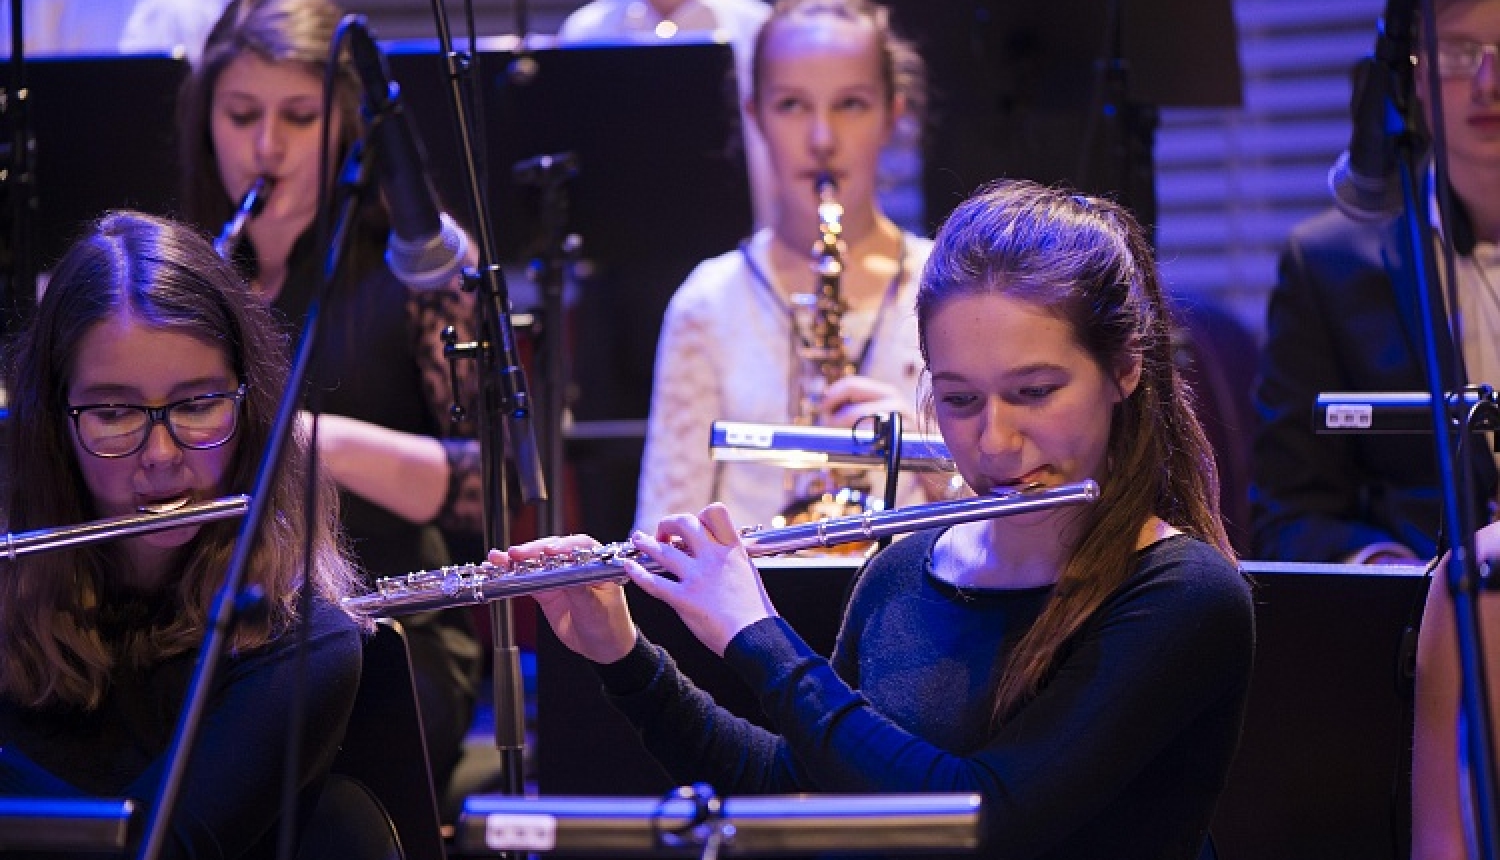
(251, 205)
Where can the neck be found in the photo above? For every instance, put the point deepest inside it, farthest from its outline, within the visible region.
(145, 565)
(800, 231)
(1482, 203)
(870, 259)
(1024, 552)
(666, 8)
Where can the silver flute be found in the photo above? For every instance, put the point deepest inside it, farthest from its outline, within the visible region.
(250, 206)
(13, 546)
(464, 584)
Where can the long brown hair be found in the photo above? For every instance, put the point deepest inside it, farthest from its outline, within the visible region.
(298, 33)
(1086, 260)
(167, 276)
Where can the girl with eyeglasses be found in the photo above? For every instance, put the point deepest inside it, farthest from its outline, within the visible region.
(147, 381)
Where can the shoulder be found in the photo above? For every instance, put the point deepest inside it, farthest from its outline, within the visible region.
(588, 22)
(898, 563)
(740, 14)
(331, 632)
(1333, 237)
(1190, 576)
(712, 283)
(918, 249)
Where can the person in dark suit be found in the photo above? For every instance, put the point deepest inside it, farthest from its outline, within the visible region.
(1342, 318)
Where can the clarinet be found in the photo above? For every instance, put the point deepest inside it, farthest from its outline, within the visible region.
(461, 585)
(250, 206)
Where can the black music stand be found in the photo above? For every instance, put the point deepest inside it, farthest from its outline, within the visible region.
(1012, 83)
(105, 132)
(661, 186)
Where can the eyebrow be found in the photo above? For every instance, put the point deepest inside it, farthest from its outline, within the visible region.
(299, 100)
(1014, 373)
(798, 88)
(129, 393)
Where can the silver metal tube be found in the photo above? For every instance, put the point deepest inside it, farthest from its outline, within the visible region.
(460, 585)
(797, 446)
(13, 546)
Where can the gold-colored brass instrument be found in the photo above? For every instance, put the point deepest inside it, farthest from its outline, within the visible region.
(13, 546)
(825, 359)
(460, 585)
(824, 493)
(250, 206)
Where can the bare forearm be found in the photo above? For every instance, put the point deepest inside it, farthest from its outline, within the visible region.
(404, 473)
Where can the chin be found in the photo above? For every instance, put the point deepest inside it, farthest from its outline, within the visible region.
(170, 538)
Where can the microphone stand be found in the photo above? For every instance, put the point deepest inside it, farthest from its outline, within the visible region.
(1129, 130)
(20, 184)
(230, 603)
(504, 414)
(1461, 571)
(552, 269)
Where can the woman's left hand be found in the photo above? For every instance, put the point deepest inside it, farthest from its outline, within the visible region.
(709, 580)
(854, 397)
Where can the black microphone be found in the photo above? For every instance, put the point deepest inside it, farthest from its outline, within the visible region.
(426, 248)
(1363, 179)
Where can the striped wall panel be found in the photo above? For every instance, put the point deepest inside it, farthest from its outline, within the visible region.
(1230, 182)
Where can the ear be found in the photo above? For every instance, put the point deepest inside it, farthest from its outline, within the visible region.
(897, 112)
(1128, 376)
(751, 107)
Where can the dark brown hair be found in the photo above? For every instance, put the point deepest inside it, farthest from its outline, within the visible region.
(290, 32)
(166, 276)
(1086, 260)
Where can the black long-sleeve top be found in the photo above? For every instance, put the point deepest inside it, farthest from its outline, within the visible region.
(1121, 754)
(230, 797)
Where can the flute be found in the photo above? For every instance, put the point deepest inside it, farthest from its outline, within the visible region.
(460, 585)
(250, 206)
(13, 546)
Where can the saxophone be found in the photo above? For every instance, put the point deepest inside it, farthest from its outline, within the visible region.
(824, 493)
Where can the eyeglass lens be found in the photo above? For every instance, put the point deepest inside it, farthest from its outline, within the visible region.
(1461, 58)
(202, 422)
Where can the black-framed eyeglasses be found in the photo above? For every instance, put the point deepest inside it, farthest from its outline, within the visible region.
(121, 429)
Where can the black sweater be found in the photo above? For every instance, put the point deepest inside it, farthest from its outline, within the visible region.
(230, 797)
(1122, 753)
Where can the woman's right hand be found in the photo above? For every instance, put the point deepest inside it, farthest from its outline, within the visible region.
(592, 620)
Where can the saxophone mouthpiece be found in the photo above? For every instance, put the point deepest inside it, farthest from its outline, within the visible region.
(251, 205)
(825, 185)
